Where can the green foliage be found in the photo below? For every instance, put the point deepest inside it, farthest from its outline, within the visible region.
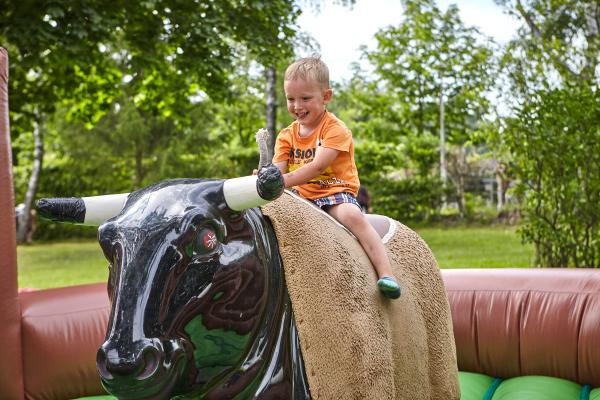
(128, 148)
(414, 199)
(477, 211)
(554, 140)
(432, 54)
(553, 136)
(370, 112)
(53, 49)
(162, 89)
(382, 168)
(422, 151)
(376, 160)
(558, 42)
(160, 52)
(52, 231)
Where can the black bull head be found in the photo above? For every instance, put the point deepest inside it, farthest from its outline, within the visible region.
(199, 306)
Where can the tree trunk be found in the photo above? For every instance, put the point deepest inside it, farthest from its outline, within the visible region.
(499, 192)
(443, 170)
(499, 176)
(499, 189)
(139, 167)
(271, 90)
(25, 219)
(457, 173)
(460, 193)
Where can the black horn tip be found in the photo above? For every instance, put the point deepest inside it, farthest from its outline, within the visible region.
(62, 209)
(269, 184)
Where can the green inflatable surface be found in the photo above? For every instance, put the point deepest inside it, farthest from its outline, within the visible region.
(475, 386)
(537, 388)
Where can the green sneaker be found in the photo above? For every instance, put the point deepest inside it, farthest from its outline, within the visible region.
(389, 287)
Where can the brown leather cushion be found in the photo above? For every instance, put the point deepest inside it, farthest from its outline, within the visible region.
(62, 330)
(512, 322)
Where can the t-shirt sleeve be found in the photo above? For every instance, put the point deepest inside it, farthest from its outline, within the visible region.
(337, 137)
(283, 145)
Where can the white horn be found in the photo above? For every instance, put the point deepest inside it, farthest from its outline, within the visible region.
(101, 208)
(255, 190)
(241, 194)
(93, 210)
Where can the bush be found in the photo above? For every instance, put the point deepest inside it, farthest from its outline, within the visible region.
(554, 141)
(414, 199)
(48, 230)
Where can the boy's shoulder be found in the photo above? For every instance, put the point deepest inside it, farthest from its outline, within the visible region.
(334, 122)
(288, 130)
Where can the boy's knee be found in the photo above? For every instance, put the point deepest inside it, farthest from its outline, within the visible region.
(350, 216)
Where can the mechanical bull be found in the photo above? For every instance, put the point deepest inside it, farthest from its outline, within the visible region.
(202, 306)
(199, 303)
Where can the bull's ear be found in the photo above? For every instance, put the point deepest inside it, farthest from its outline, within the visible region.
(92, 210)
(255, 190)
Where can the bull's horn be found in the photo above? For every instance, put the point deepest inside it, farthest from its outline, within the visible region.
(265, 147)
(255, 190)
(82, 210)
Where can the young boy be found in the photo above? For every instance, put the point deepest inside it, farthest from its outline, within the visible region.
(316, 157)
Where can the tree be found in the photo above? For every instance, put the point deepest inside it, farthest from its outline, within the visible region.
(159, 52)
(23, 227)
(302, 41)
(432, 64)
(165, 50)
(559, 42)
(554, 139)
(552, 134)
(126, 150)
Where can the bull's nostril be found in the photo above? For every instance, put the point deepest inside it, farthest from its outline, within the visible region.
(101, 365)
(140, 360)
(150, 362)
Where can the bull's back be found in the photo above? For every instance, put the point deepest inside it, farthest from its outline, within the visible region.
(355, 342)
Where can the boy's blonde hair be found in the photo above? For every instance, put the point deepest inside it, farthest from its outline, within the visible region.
(309, 68)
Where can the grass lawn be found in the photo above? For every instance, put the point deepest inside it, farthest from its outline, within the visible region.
(48, 265)
(478, 247)
(59, 264)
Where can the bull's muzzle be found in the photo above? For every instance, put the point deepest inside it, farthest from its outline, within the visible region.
(141, 359)
(142, 369)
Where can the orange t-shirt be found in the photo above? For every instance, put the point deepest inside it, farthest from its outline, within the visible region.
(340, 176)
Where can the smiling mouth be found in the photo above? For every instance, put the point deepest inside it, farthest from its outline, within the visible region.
(301, 115)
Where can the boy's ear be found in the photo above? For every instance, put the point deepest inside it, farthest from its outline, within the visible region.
(327, 95)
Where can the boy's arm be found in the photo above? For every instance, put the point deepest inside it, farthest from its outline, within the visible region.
(322, 160)
(282, 165)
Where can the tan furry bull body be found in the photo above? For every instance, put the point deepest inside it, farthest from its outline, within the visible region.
(355, 343)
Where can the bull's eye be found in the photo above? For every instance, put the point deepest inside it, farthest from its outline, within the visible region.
(205, 242)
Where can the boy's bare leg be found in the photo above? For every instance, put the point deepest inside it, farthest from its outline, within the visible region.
(352, 218)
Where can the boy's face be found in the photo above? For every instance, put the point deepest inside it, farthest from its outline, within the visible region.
(306, 101)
